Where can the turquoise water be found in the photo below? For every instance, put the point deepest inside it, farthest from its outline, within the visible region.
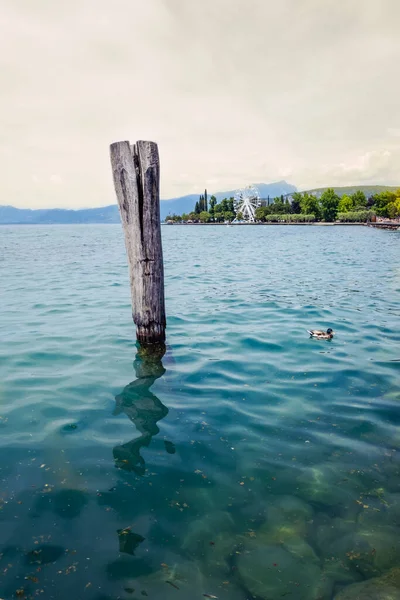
(250, 462)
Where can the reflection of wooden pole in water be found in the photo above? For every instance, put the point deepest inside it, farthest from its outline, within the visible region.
(136, 172)
(142, 407)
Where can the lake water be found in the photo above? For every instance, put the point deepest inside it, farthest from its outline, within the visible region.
(251, 462)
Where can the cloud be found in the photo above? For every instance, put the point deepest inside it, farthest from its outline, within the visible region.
(234, 91)
(394, 131)
(56, 179)
(374, 167)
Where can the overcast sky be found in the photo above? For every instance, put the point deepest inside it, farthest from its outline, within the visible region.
(234, 92)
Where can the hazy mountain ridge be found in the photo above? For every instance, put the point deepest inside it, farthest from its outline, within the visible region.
(43, 216)
(109, 214)
(369, 190)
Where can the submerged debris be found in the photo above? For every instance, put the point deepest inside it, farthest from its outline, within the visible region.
(172, 583)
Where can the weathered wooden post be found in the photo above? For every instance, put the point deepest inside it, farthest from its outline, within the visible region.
(136, 172)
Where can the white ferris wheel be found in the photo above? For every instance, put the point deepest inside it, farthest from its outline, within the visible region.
(246, 201)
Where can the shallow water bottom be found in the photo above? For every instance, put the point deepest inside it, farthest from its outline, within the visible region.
(248, 462)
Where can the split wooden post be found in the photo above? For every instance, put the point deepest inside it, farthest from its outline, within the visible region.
(136, 172)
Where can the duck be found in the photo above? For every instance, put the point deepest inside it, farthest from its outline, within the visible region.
(321, 335)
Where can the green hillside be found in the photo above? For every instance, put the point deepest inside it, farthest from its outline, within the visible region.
(369, 190)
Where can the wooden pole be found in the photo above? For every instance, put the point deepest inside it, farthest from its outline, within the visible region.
(136, 172)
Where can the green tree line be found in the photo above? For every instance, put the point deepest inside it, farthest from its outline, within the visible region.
(304, 207)
(209, 211)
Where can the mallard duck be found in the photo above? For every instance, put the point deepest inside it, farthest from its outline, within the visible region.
(321, 335)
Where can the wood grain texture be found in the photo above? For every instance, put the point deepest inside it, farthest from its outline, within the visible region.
(136, 173)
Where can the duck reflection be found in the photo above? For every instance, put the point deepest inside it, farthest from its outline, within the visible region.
(142, 407)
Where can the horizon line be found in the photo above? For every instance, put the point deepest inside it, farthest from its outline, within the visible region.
(301, 191)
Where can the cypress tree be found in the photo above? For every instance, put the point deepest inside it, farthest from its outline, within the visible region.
(197, 208)
(205, 201)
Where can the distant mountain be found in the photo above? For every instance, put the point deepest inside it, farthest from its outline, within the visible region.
(369, 190)
(48, 216)
(177, 206)
(265, 189)
(109, 214)
(186, 203)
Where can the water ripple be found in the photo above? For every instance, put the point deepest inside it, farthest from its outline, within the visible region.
(252, 442)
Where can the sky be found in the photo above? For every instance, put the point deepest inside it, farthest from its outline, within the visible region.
(233, 91)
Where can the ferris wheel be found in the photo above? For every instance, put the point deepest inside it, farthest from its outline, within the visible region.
(246, 201)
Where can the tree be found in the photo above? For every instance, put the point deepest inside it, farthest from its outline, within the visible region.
(381, 202)
(370, 201)
(346, 204)
(205, 201)
(218, 216)
(310, 205)
(329, 205)
(393, 208)
(197, 208)
(204, 216)
(359, 199)
(231, 205)
(229, 215)
(296, 203)
(223, 206)
(175, 218)
(213, 202)
(239, 216)
(261, 213)
(278, 207)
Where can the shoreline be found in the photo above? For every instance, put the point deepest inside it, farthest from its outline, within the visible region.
(383, 225)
